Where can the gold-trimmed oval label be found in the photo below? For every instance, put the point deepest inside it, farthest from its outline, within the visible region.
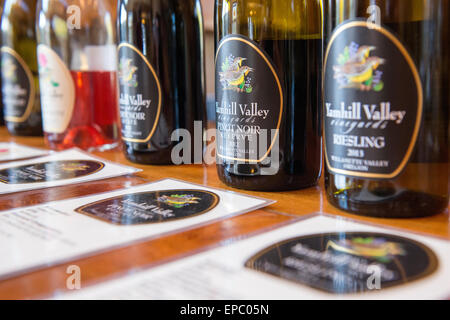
(152, 207)
(50, 171)
(18, 89)
(140, 95)
(373, 102)
(249, 101)
(347, 262)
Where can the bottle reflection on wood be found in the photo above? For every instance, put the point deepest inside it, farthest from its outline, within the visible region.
(161, 75)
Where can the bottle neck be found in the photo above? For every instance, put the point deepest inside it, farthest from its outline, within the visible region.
(270, 19)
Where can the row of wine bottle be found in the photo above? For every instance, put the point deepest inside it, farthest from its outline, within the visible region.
(367, 81)
(374, 74)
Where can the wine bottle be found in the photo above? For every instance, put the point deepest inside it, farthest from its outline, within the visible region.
(20, 85)
(161, 76)
(77, 58)
(268, 93)
(386, 100)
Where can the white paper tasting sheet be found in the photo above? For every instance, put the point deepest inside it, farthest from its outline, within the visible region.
(13, 151)
(61, 168)
(317, 258)
(66, 230)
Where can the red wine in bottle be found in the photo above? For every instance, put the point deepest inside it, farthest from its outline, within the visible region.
(96, 111)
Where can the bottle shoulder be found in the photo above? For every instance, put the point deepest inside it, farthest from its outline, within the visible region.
(269, 20)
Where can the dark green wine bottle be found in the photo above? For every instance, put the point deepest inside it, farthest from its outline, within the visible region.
(20, 85)
(162, 75)
(268, 93)
(386, 99)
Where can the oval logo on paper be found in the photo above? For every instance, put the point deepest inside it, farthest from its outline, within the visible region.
(140, 95)
(50, 171)
(344, 263)
(152, 207)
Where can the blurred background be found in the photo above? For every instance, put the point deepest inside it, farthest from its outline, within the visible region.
(208, 13)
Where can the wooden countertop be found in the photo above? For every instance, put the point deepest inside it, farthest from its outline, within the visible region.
(289, 206)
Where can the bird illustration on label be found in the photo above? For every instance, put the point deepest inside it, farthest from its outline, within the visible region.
(9, 69)
(356, 69)
(235, 76)
(179, 201)
(74, 166)
(375, 248)
(127, 73)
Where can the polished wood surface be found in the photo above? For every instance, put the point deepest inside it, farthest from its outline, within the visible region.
(289, 207)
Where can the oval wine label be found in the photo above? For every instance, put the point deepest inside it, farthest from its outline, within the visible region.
(140, 95)
(345, 263)
(249, 101)
(50, 171)
(57, 91)
(152, 207)
(373, 102)
(18, 89)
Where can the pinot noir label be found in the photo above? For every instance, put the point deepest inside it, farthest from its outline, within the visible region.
(249, 100)
(140, 95)
(373, 102)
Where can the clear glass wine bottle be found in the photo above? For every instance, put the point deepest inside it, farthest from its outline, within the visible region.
(78, 73)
